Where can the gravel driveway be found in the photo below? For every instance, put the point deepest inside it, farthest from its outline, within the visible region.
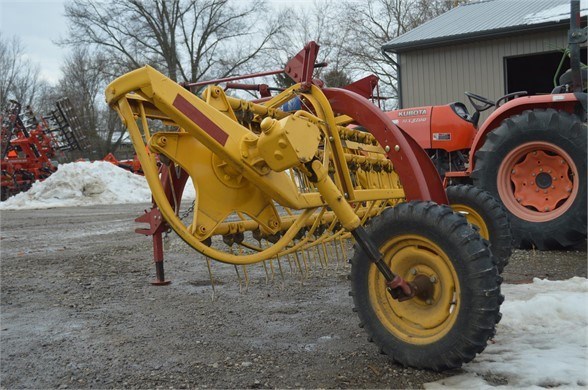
(78, 311)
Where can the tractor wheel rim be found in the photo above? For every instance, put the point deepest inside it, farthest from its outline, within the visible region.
(538, 181)
(422, 319)
(473, 218)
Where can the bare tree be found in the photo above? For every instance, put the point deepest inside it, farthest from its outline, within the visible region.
(186, 39)
(19, 77)
(378, 22)
(319, 22)
(84, 82)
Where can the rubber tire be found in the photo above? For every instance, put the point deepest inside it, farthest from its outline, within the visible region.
(494, 215)
(479, 308)
(560, 128)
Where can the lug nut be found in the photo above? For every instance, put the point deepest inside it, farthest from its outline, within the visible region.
(413, 271)
(429, 302)
(433, 279)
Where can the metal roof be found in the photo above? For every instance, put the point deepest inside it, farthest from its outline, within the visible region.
(486, 19)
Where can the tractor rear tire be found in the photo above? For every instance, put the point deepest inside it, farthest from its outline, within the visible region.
(482, 210)
(457, 316)
(535, 164)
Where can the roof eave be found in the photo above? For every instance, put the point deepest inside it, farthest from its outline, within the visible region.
(463, 38)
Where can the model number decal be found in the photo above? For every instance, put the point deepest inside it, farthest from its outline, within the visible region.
(441, 136)
(414, 120)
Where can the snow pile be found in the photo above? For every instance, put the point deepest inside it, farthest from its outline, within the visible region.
(555, 14)
(86, 184)
(541, 341)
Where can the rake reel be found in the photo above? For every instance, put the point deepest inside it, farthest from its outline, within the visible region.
(275, 185)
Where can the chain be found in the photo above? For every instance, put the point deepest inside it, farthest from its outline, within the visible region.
(188, 212)
(166, 241)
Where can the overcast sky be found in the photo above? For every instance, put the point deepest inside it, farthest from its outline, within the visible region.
(38, 23)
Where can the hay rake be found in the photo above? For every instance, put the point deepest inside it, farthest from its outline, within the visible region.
(274, 184)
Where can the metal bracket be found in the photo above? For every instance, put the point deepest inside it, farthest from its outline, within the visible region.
(577, 36)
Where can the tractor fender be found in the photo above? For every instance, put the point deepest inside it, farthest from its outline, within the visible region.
(568, 102)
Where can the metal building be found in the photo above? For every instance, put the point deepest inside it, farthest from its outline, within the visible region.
(489, 47)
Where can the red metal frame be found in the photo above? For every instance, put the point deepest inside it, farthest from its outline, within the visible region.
(30, 141)
(417, 173)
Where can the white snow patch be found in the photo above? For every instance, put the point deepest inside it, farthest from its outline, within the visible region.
(555, 14)
(86, 184)
(542, 340)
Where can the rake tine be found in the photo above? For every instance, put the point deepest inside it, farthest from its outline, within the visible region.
(280, 267)
(211, 278)
(246, 275)
(239, 278)
(298, 264)
(290, 263)
(336, 254)
(271, 263)
(316, 260)
(264, 264)
(305, 264)
(237, 272)
(343, 251)
(318, 254)
(325, 254)
(266, 273)
(330, 251)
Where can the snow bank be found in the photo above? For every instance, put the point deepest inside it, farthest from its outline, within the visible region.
(82, 184)
(86, 184)
(541, 341)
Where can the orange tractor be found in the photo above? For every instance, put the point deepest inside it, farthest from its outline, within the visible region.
(530, 153)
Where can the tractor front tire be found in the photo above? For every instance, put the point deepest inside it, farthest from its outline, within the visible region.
(535, 164)
(482, 210)
(456, 316)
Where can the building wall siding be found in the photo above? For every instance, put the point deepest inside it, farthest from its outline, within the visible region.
(442, 75)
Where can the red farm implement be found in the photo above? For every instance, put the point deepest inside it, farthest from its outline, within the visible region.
(31, 142)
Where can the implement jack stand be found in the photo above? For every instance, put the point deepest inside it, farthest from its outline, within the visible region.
(156, 226)
(158, 257)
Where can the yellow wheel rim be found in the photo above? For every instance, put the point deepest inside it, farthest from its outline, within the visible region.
(422, 319)
(473, 217)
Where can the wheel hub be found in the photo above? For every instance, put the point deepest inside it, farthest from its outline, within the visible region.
(541, 181)
(430, 313)
(544, 180)
(424, 287)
